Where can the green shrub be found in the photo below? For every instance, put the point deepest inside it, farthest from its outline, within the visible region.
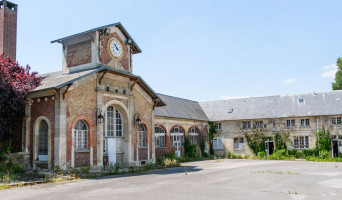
(189, 149)
(295, 153)
(205, 154)
(228, 154)
(116, 167)
(261, 155)
(309, 153)
(325, 154)
(85, 169)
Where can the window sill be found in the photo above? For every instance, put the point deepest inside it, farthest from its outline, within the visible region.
(161, 147)
(239, 149)
(142, 147)
(82, 151)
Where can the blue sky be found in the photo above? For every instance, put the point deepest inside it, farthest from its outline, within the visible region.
(200, 50)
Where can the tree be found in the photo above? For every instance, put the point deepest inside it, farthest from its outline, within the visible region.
(338, 76)
(212, 131)
(15, 83)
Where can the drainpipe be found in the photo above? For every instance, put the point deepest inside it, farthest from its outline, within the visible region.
(317, 123)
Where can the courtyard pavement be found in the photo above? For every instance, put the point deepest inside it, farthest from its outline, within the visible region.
(227, 179)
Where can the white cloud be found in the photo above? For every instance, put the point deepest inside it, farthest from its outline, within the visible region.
(289, 81)
(329, 71)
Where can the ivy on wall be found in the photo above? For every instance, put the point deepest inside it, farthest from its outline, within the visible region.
(212, 131)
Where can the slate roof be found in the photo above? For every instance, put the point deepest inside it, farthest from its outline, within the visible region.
(118, 24)
(314, 104)
(56, 80)
(180, 108)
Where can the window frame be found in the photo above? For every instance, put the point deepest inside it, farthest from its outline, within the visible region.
(216, 144)
(142, 134)
(291, 123)
(258, 124)
(301, 142)
(81, 137)
(305, 122)
(180, 133)
(218, 126)
(238, 143)
(159, 136)
(336, 121)
(246, 125)
(113, 119)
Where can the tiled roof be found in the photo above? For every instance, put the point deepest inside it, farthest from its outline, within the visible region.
(180, 108)
(314, 104)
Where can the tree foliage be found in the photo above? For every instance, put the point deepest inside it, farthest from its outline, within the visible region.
(338, 76)
(212, 131)
(15, 83)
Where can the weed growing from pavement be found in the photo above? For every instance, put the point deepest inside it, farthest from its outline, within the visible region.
(273, 172)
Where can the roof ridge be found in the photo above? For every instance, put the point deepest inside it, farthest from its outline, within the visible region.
(177, 97)
(280, 95)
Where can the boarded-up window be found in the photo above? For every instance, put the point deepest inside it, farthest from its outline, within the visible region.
(79, 54)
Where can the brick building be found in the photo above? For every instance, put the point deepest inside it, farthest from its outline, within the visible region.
(95, 111)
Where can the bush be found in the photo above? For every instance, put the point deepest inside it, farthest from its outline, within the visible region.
(279, 155)
(189, 149)
(325, 154)
(205, 154)
(228, 155)
(261, 155)
(309, 152)
(295, 153)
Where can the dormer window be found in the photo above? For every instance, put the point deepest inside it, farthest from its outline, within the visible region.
(301, 100)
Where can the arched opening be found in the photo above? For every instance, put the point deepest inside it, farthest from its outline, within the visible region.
(112, 126)
(81, 136)
(142, 136)
(177, 139)
(159, 134)
(193, 135)
(43, 141)
(116, 133)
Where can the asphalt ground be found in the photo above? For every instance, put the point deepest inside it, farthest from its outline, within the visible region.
(224, 179)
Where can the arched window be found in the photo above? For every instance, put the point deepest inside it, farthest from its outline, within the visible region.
(43, 141)
(81, 135)
(142, 136)
(193, 135)
(177, 137)
(159, 134)
(113, 123)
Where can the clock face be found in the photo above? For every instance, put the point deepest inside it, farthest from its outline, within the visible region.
(115, 48)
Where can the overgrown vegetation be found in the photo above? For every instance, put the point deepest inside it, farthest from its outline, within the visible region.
(256, 140)
(212, 131)
(321, 152)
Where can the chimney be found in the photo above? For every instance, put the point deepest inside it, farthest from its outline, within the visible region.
(8, 28)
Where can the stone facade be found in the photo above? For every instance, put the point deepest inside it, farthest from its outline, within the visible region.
(234, 129)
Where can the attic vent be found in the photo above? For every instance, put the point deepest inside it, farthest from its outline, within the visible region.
(301, 100)
(338, 99)
(230, 111)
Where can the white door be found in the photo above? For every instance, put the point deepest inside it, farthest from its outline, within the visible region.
(177, 142)
(111, 150)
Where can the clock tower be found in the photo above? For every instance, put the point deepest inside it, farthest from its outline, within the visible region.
(109, 46)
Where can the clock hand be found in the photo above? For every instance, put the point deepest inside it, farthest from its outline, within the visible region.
(116, 47)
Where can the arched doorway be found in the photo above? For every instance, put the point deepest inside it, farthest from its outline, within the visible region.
(177, 140)
(113, 134)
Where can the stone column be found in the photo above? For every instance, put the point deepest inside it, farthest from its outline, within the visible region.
(60, 131)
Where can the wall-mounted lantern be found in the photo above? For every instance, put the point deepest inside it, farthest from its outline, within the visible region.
(99, 117)
(137, 119)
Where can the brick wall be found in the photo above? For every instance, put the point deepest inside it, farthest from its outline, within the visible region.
(82, 159)
(45, 107)
(81, 101)
(8, 32)
(105, 56)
